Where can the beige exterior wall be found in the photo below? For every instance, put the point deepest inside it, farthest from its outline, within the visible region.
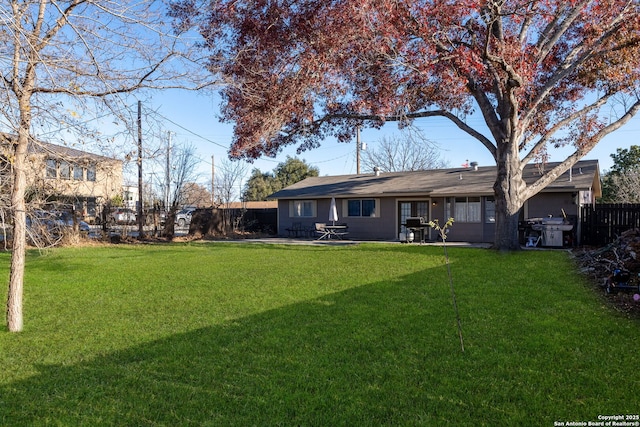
(60, 174)
(73, 176)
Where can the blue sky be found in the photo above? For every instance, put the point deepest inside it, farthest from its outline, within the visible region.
(192, 118)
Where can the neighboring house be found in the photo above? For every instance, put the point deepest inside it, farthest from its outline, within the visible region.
(67, 175)
(130, 197)
(375, 206)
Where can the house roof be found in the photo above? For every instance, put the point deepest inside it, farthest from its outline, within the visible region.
(58, 151)
(584, 175)
(252, 205)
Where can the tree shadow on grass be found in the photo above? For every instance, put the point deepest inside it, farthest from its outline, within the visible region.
(351, 358)
(380, 354)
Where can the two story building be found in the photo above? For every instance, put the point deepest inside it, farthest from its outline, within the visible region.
(59, 175)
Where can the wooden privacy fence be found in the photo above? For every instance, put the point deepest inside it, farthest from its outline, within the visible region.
(256, 219)
(219, 221)
(603, 223)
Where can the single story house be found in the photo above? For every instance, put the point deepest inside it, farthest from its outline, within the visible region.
(375, 206)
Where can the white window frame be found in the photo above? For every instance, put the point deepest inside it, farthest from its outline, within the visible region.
(465, 209)
(297, 209)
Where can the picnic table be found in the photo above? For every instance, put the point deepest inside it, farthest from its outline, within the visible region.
(326, 231)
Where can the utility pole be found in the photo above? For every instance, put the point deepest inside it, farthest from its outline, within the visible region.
(358, 150)
(359, 146)
(140, 217)
(167, 178)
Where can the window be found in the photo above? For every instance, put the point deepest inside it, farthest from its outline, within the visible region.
(354, 208)
(490, 210)
(303, 209)
(422, 209)
(78, 174)
(368, 208)
(363, 207)
(465, 209)
(460, 209)
(91, 172)
(474, 209)
(65, 169)
(52, 169)
(91, 206)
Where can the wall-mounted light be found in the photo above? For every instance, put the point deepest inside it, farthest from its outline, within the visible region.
(434, 203)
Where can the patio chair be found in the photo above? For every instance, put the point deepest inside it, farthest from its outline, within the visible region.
(307, 231)
(295, 229)
(320, 230)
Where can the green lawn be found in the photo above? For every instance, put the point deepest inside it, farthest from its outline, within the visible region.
(250, 334)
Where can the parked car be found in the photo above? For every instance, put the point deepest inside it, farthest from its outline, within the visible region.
(66, 219)
(123, 216)
(183, 217)
(53, 221)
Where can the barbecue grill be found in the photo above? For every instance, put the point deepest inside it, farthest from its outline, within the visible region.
(549, 230)
(413, 225)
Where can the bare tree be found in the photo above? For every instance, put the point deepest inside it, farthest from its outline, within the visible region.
(183, 164)
(228, 185)
(409, 151)
(56, 58)
(626, 186)
(195, 194)
(6, 173)
(183, 171)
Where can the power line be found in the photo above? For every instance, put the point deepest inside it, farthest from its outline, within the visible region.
(266, 159)
(188, 130)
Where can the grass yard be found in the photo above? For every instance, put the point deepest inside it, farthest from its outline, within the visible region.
(228, 334)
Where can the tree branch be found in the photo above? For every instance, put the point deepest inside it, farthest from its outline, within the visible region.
(563, 123)
(417, 115)
(581, 151)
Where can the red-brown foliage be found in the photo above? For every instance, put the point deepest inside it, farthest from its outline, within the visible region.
(301, 70)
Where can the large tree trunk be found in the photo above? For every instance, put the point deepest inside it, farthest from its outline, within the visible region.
(510, 197)
(14, 300)
(170, 222)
